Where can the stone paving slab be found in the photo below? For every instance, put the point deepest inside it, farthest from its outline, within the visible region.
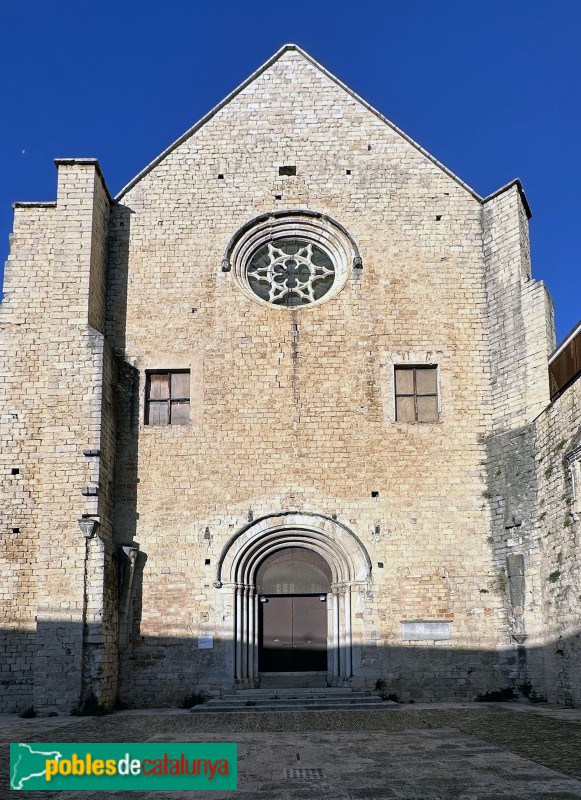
(455, 752)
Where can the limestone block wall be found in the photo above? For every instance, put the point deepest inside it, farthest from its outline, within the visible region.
(70, 610)
(55, 290)
(295, 410)
(558, 476)
(520, 312)
(517, 545)
(23, 314)
(533, 491)
(290, 411)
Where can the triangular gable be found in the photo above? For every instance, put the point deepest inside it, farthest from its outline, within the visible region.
(285, 48)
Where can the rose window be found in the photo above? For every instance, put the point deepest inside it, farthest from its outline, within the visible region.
(290, 272)
(292, 259)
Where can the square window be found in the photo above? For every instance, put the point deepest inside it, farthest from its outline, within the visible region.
(416, 394)
(167, 398)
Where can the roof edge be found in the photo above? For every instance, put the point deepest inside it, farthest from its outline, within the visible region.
(71, 162)
(206, 118)
(567, 340)
(515, 182)
(285, 48)
(388, 122)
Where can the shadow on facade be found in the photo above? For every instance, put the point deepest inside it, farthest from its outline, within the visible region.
(126, 473)
(118, 277)
(162, 671)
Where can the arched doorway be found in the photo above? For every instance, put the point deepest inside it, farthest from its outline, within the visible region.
(334, 555)
(293, 585)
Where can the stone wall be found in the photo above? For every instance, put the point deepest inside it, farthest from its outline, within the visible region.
(60, 426)
(521, 332)
(27, 286)
(295, 410)
(517, 548)
(291, 411)
(558, 510)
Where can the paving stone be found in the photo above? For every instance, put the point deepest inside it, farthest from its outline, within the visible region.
(477, 753)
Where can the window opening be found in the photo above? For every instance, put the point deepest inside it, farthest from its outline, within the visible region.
(416, 394)
(168, 398)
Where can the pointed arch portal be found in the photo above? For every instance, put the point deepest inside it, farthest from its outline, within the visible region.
(332, 544)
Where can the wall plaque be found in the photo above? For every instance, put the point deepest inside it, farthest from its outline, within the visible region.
(425, 631)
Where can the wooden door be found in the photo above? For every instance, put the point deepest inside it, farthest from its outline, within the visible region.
(309, 634)
(275, 653)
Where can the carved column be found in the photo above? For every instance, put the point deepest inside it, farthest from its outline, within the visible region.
(348, 642)
(335, 663)
(238, 623)
(252, 634)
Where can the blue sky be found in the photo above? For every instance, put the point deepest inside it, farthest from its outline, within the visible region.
(491, 90)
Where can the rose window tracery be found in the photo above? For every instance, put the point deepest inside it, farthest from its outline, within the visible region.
(290, 272)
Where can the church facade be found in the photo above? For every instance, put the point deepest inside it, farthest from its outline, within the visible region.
(281, 414)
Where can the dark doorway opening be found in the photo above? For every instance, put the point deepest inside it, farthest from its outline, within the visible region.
(292, 633)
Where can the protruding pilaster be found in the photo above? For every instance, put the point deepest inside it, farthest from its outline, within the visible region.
(76, 630)
(521, 331)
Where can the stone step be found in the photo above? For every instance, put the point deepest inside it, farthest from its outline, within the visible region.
(293, 680)
(292, 697)
(249, 694)
(243, 708)
(333, 699)
(261, 701)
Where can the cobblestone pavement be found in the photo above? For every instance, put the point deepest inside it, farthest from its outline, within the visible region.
(421, 752)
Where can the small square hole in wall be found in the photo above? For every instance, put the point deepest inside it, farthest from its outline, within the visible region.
(220, 176)
(206, 561)
(347, 172)
(438, 217)
(15, 471)
(375, 494)
(288, 169)
(380, 564)
(278, 197)
(15, 530)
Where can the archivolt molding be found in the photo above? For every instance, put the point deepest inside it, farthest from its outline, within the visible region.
(314, 227)
(339, 546)
(242, 555)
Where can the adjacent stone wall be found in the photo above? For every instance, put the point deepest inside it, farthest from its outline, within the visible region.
(517, 546)
(58, 410)
(521, 332)
(23, 315)
(534, 488)
(557, 471)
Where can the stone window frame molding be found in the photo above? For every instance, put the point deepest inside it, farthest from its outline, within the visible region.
(314, 227)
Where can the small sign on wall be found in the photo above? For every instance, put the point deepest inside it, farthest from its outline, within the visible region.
(205, 642)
